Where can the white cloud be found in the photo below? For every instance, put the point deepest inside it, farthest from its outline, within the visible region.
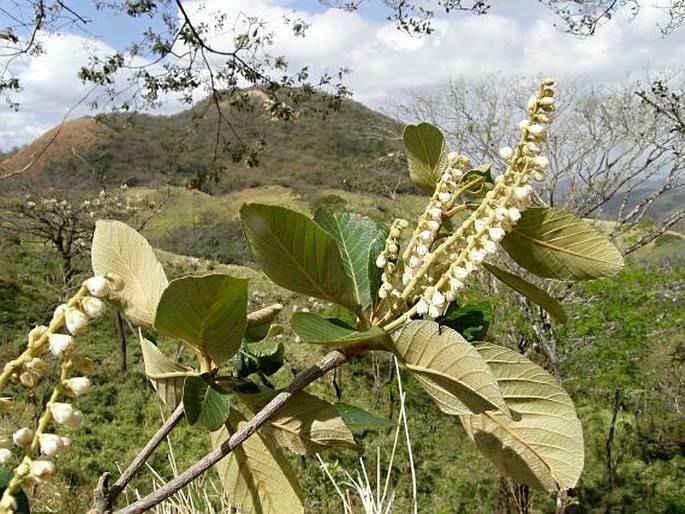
(383, 62)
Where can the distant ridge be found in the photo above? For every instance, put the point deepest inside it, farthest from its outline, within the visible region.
(340, 151)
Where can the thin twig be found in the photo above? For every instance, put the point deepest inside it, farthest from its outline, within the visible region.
(142, 457)
(323, 366)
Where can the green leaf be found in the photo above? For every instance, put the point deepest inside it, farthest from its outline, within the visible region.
(256, 476)
(306, 425)
(532, 292)
(297, 254)
(426, 154)
(19, 496)
(359, 419)
(265, 357)
(544, 449)
(552, 243)
(205, 403)
(357, 238)
(120, 250)
(471, 320)
(166, 375)
(208, 313)
(314, 329)
(448, 368)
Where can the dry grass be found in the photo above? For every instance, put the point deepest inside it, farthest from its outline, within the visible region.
(55, 145)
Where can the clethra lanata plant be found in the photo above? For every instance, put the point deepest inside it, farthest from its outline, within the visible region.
(402, 284)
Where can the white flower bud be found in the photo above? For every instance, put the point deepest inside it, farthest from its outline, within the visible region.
(438, 299)
(536, 129)
(426, 235)
(531, 148)
(506, 153)
(496, 233)
(51, 444)
(532, 103)
(37, 366)
(23, 437)
(501, 214)
(546, 101)
(456, 285)
(77, 386)
(42, 469)
(75, 320)
(97, 286)
(414, 261)
(489, 246)
(62, 413)
(434, 311)
(433, 225)
(381, 260)
(477, 256)
(28, 379)
(382, 293)
(444, 196)
(92, 307)
(514, 214)
(524, 124)
(5, 456)
(541, 162)
(393, 248)
(435, 213)
(459, 272)
(61, 345)
(522, 193)
(421, 307)
(421, 250)
(36, 333)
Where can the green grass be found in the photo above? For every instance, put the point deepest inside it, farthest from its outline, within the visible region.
(625, 332)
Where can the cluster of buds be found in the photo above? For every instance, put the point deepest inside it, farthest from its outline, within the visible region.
(57, 338)
(433, 274)
(387, 259)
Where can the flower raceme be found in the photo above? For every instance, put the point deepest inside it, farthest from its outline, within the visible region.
(433, 269)
(56, 339)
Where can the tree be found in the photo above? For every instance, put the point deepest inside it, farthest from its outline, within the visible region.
(179, 53)
(615, 152)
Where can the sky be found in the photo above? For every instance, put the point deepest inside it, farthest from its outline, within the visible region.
(518, 37)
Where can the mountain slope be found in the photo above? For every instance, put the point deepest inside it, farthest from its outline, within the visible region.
(339, 151)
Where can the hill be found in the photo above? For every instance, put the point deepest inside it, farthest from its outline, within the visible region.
(340, 150)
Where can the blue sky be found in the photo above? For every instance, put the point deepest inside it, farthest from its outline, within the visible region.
(516, 38)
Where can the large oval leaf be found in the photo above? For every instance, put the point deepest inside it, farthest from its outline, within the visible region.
(209, 313)
(298, 254)
(314, 329)
(426, 154)
(256, 477)
(166, 375)
(544, 448)
(306, 424)
(120, 250)
(448, 367)
(552, 243)
(531, 291)
(357, 238)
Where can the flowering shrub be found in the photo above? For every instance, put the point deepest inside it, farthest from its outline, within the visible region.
(401, 288)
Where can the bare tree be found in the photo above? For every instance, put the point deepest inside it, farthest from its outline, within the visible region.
(612, 155)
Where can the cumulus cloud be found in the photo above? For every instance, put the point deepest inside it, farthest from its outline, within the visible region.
(383, 62)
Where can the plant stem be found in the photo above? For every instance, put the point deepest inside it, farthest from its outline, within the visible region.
(303, 379)
(144, 454)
